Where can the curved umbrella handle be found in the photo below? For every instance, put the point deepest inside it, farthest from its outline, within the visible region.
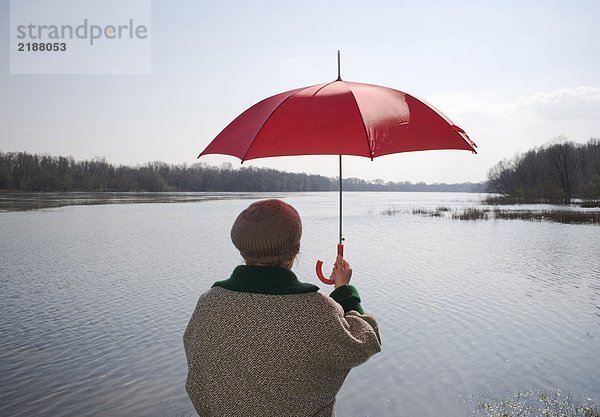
(319, 266)
(320, 275)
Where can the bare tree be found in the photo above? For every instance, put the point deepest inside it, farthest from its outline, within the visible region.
(565, 165)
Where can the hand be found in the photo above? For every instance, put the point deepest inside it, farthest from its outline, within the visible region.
(341, 272)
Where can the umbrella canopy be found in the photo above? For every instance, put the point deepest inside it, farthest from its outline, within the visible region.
(338, 118)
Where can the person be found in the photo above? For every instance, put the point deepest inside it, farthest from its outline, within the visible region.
(262, 343)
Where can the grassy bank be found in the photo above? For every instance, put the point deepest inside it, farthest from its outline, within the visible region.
(501, 200)
(471, 214)
(556, 216)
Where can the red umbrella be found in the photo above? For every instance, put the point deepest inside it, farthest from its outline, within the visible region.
(338, 118)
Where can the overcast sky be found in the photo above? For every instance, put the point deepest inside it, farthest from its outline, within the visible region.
(513, 74)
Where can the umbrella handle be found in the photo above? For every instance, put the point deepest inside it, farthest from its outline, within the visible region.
(319, 266)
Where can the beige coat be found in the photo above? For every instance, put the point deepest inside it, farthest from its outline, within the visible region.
(264, 344)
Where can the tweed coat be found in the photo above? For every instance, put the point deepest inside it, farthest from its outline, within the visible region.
(262, 343)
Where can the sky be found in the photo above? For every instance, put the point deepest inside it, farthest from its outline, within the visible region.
(513, 74)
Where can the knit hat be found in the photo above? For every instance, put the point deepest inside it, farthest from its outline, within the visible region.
(267, 231)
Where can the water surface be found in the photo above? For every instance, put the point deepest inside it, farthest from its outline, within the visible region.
(94, 301)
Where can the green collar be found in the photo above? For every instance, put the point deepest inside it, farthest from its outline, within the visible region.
(265, 280)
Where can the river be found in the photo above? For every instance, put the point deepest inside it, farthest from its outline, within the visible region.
(94, 300)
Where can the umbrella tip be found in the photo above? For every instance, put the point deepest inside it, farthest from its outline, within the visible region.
(339, 78)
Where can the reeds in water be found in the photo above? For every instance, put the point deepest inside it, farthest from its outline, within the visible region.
(538, 403)
(472, 214)
(427, 212)
(475, 213)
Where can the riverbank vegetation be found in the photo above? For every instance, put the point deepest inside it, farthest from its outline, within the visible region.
(555, 173)
(555, 216)
(476, 213)
(32, 172)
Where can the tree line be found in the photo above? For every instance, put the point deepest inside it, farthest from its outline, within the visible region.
(22, 171)
(553, 173)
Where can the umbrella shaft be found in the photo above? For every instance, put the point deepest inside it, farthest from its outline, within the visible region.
(341, 236)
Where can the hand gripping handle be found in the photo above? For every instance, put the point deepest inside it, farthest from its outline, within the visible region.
(319, 266)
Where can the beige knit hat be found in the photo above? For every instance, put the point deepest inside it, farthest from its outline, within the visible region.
(267, 231)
